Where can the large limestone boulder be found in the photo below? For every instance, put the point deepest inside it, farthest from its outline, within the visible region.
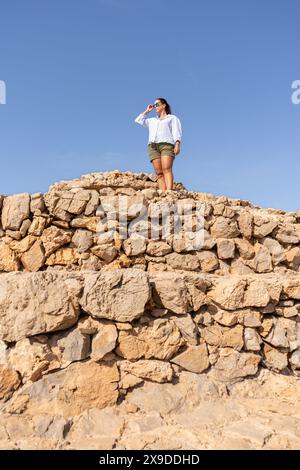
(222, 337)
(178, 293)
(224, 228)
(119, 295)
(245, 223)
(54, 237)
(158, 339)
(33, 303)
(233, 365)
(79, 387)
(8, 259)
(16, 208)
(34, 258)
(240, 291)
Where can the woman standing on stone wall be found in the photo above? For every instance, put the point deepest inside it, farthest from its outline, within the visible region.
(165, 136)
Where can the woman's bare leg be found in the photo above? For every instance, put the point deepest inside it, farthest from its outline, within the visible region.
(166, 165)
(158, 169)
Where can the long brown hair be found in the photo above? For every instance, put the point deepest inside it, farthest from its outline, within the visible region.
(168, 107)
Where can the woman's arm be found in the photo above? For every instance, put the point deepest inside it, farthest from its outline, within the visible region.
(176, 130)
(141, 118)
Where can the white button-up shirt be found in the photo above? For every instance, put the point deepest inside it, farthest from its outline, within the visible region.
(167, 129)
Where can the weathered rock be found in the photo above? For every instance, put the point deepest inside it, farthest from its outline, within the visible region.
(183, 261)
(194, 359)
(263, 227)
(291, 288)
(208, 241)
(33, 303)
(128, 381)
(277, 336)
(186, 326)
(75, 345)
(92, 263)
(249, 317)
(88, 325)
(245, 223)
(294, 359)
(34, 258)
(226, 248)
(293, 258)
(229, 293)
(8, 259)
(121, 262)
(275, 359)
(275, 249)
(287, 312)
(252, 340)
(118, 295)
(15, 209)
(177, 294)
(245, 248)
(63, 256)
(222, 337)
(23, 245)
(3, 352)
(158, 248)
(96, 424)
(208, 261)
(288, 234)
(37, 205)
(83, 240)
(266, 326)
(37, 226)
(156, 371)
(79, 201)
(24, 227)
(233, 365)
(106, 251)
(160, 339)
(257, 294)
(51, 427)
(79, 387)
(104, 341)
(262, 261)
(93, 203)
(224, 228)
(238, 267)
(129, 206)
(9, 382)
(147, 326)
(134, 246)
(31, 357)
(223, 317)
(58, 202)
(90, 223)
(54, 238)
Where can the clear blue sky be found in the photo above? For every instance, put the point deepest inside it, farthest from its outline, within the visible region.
(78, 72)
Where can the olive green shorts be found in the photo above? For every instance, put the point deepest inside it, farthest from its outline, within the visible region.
(157, 149)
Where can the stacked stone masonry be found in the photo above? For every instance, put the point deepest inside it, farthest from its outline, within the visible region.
(83, 320)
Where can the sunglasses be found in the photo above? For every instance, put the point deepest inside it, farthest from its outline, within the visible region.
(157, 104)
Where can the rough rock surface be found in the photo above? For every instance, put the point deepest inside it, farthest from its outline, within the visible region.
(124, 340)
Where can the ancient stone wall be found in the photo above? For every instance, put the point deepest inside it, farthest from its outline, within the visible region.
(126, 326)
(85, 320)
(60, 230)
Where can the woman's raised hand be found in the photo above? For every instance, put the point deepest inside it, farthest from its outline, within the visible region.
(149, 108)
